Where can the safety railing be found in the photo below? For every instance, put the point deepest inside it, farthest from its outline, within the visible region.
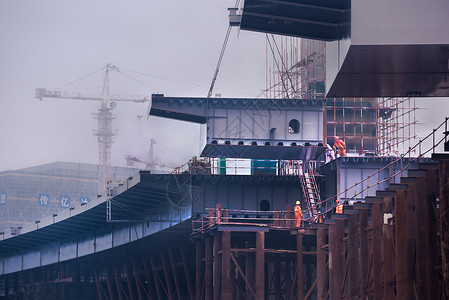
(279, 219)
(237, 166)
(403, 162)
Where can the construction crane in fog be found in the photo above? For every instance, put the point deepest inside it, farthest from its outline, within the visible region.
(103, 115)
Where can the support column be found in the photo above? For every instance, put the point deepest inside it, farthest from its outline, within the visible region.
(129, 281)
(250, 273)
(199, 270)
(353, 257)
(187, 274)
(217, 266)
(444, 219)
(168, 280)
(226, 265)
(321, 263)
(336, 259)
(208, 279)
(299, 268)
(175, 274)
(402, 276)
(159, 290)
(363, 252)
(118, 284)
(277, 277)
(150, 281)
(137, 280)
(260, 265)
(377, 251)
(109, 283)
(98, 284)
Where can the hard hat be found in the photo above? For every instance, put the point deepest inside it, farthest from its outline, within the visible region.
(336, 138)
(297, 202)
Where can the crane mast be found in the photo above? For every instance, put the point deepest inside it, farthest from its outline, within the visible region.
(104, 116)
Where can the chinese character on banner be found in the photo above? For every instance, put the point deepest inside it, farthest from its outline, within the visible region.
(2, 198)
(84, 200)
(43, 199)
(64, 201)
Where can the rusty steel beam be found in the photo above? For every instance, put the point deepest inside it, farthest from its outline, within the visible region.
(187, 274)
(168, 281)
(250, 274)
(175, 273)
(431, 234)
(199, 270)
(241, 279)
(118, 284)
(288, 278)
(148, 276)
(157, 282)
(242, 275)
(226, 265)
(217, 266)
(321, 263)
(353, 257)
(336, 259)
(137, 279)
(299, 267)
(109, 283)
(208, 279)
(363, 252)
(376, 222)
(277, 277)
(260, 265)
(388, 248)
(129, 281)
(98, 284)
(444, 220)
(402, 276)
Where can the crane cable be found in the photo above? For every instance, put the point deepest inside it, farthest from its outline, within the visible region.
(209, 94)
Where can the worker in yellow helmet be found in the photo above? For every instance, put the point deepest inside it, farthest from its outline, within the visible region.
(298, 213)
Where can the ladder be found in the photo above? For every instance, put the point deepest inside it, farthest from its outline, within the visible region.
(311, 193)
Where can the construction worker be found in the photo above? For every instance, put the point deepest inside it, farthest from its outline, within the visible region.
(338, 207)
(298, 213)
(339, 147)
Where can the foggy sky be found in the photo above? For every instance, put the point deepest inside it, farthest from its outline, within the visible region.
(49, 43)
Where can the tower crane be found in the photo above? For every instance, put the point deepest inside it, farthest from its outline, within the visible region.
(103, 115)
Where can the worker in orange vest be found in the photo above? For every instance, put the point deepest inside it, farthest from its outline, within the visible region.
(339, 147)
(298, 213)
(338, 207)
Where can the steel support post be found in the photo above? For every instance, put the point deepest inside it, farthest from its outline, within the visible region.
(363, 252)
(109, 283)
(117, 276)
(187, 274)
(199, 270)
(175, 273)
(226, 265)
(150, 281)
(159, 292)
(98, 284)
(377, 251)
(277, 277)
(388, 250)
(240, 279)
(208, 279)
(332, 232)
(288, 278)
(217, 266)
(168, 278)
(137, 280)
(321, 263)
(129, 281)
(299, 267)
(260, 265)
(444, 219)
(402, 275)
(353, 257)
(431, 235)
(250, 273)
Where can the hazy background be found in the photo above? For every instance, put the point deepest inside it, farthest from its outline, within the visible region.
(174, 44)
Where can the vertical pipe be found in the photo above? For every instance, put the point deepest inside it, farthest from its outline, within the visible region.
(217, 266)
(299, 267)
(226, 265)
(208, 280)
(260, 265)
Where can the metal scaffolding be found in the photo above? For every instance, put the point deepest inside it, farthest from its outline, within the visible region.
(296, 69)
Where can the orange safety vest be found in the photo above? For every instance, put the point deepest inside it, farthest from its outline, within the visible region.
(298, 214)
(341, 146)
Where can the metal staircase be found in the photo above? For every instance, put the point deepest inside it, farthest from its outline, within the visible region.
(311, 193)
